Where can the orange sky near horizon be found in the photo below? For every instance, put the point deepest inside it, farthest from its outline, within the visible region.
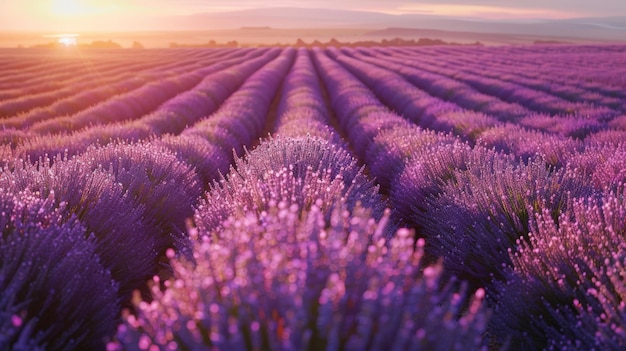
(81, 15)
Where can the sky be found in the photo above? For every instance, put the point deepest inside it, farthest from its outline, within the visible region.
(131, 14)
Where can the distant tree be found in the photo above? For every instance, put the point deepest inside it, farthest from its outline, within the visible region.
(137, 45)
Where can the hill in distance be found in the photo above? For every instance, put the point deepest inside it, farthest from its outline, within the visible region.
(602, 28)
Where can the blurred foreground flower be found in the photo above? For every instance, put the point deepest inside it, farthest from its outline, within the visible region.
(286, 280)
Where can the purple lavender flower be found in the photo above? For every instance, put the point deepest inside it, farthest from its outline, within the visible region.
(297, 171)
(393, 148)
(54, 292)
(208, 160)
(566, 289)
(155, 179)
(281, 280)
(483, 210)
(618, 122)
(606, 136)
(602, 165)
(124, 239)
(525, 144)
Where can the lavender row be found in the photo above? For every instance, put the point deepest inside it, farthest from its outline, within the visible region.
(507, 71)
(284, 281)
(118, 208)
(171, 117)
(382, 139)
(554, 81)
(584, 67)
(12, 63)
(242, 119)
(573, 70)
(20, 76)
(129, 106)
(25, 101)
(429, 112)
(158, 191)
(209, 144)
(42, 298)
(48, 87)
(305, 175)
(415, 104)
(302, 109)
(446, 88)
(143, 187)
(577, 107)
(64, 67)
(570, 272)
(478, 211)
(528, 74)
(85, 98)
(515, 93)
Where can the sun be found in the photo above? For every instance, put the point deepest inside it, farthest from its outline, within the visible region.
(67, 41)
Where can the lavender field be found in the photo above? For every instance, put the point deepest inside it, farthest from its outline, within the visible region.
(396, 198)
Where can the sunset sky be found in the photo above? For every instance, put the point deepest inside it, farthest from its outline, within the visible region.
(132, 14)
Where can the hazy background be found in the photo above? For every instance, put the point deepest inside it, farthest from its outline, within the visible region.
(26, 21)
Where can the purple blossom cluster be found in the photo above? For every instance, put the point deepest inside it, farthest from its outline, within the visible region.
(603, 165)
(299, 171)
(111, 190)
(97, 225)
(525, 144)
(484, 210)
(47, 268)
(570, 274)
(282, 279)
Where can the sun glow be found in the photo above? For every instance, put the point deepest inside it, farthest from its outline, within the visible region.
(67, 41)
(70, 8)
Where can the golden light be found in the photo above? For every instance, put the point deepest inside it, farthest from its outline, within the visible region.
(67, 41)
(70, 8)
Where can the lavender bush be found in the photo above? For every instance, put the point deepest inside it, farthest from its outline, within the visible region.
(125, 240)
(54, 292)
(566, 291)
(602, 165)
(208, 160)
(294, 170)
(526, 144)
(393, 148)
(429, 170)
(480, 215)
(154, 179)
(277, 280)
